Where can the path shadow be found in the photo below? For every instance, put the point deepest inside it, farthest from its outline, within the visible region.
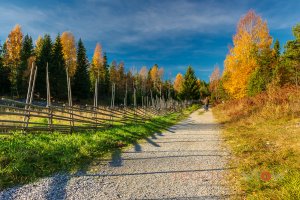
(137, 147)
(152, 142)
(184, 156)
(159, 172)
(116, 159)
(9, 194)
(160, 134)
(153, 136)
(57, 188)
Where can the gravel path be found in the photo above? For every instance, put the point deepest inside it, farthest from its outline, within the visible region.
(184, 162)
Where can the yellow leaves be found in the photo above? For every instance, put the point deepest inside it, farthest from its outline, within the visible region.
(156, 74)
(97, 60)
(69, 52)
(38, 45)
(252, 37)
(178, 83)
(143, 72)
(13, 47)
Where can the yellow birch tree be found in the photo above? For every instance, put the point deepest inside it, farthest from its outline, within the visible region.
(178, 83)
(69, 52)
(12, 57)
(252, 37)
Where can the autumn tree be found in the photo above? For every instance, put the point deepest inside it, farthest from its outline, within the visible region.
(69, 52)
(178, 84)
(81, 83)
(12, 57)
(190, 89)
(156, 75)
(154, 78)
(251, 39)
(96, 65)
(38, 46)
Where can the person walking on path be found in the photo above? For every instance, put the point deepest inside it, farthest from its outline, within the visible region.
(206, 103)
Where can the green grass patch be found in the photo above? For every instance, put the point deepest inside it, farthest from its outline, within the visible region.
(26, 157)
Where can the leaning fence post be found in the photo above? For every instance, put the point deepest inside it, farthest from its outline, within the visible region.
(48, 100)
(28, 94)
(31, 97)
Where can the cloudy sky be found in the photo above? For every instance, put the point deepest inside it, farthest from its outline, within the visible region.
(171, 33)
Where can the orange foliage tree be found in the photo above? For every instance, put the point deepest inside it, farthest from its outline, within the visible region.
(252, 37)
(69, 51)
(178, 83)
(97, 61)
(156, 75)
(12, 57)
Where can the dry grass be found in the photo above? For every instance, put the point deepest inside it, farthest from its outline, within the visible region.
(263, 133)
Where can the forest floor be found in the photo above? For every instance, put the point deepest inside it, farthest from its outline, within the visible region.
(186, 161)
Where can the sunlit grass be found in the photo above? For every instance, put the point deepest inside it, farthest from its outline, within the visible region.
(26, 157)
(264, 137)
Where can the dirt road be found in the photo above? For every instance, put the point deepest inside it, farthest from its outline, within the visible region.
(184, 162)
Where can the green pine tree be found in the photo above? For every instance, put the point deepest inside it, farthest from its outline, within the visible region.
(190, 89)
(57, 72)
(277, 49)
(26, 53)
(291, 59)
(104, 79)
(42, 58)
(81, 83)
(4, 73)
(262, 75)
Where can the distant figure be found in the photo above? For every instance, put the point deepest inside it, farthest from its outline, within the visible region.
(206, 103)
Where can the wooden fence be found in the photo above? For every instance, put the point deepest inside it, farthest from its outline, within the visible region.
(28, 117)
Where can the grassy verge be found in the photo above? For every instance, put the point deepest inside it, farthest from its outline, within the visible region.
(24, 158)
(263, 133)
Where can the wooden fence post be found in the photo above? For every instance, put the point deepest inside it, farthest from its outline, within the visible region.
(49, 100)
(28, 95)
(31, 98)
(112, 102)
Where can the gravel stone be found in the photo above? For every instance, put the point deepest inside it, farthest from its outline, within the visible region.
(186, 161)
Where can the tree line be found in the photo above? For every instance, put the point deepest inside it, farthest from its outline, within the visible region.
(254, 63)
(67, 58)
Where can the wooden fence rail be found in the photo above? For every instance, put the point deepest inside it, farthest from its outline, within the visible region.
(28, 117)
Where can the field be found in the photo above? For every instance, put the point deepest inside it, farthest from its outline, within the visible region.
(26, 157)
(263, 133)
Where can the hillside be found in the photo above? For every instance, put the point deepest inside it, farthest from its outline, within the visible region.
(263, 133)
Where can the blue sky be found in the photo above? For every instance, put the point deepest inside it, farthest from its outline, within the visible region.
(171, 33)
